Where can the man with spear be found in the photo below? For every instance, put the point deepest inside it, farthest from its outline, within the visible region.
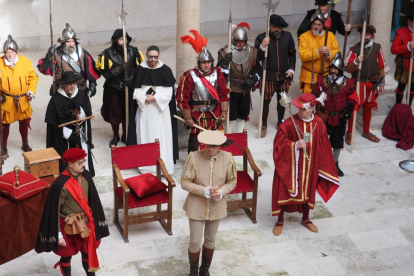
(316, 46)
(280, 65)
(367, 69)
(245, 71)
(113, 68)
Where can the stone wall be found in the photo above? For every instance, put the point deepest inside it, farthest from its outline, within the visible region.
(94, 20)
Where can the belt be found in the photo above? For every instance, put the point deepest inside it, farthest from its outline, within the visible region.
(278, 74)
(309, 70)
(203, 103)
(15, 97)
(332, 113)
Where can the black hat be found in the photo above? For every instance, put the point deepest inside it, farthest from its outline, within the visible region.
(410, 14)
(68, 77)
(119, 33)
(321, 2)
(277, 20)
(369, 29)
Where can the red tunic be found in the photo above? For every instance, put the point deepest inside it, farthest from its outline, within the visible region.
(338, 101)
(296, 179)
(185, 94)
(400, 45)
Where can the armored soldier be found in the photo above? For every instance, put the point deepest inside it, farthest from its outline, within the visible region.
(339, 105)
(336, 21)
(371, 82)
(202, 94)
(70, 56)
(112, 66)
(402, 46)
(281, 62)
(313, 49)
(245, 70)
(18, 82)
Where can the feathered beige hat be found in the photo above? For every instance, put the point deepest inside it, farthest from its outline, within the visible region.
(212, 137)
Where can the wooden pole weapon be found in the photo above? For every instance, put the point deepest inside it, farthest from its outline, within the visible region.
(410, 74)
(228, 76)
(121, 20)
(76, 121)
(348, 18)
(358, 87)
(51, 44)
(182, 120)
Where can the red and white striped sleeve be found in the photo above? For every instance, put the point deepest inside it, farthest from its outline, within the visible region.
(380, 59)
(350, 57)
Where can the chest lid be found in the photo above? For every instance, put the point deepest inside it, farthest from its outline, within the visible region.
(39, 156)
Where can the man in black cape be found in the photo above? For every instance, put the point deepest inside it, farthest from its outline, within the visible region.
(337, 22)
(66, 105)
(112, 66)
(73, 219)
(158, 76)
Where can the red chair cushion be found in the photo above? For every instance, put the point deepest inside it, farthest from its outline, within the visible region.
(29, 185)
(135, 202)
(145, 184)
(244, 183)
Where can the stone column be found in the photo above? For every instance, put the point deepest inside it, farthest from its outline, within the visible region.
(188, 17)
(381, 18)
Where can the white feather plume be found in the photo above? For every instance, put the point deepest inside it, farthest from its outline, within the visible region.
(307, 106)
(322, 98)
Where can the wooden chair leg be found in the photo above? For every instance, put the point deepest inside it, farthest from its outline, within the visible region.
(125, 233)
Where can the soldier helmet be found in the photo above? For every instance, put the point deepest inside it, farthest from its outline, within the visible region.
(324, 2)
(10, 44)
(67, 33)
(205, 55)
(240, 33)
(317, 16)
(337, 61)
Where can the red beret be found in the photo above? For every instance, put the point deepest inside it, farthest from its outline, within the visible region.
(73, 154)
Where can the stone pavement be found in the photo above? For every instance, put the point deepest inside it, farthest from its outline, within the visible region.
(366, 229)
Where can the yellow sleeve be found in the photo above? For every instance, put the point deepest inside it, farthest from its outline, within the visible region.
(141, 57)
(32, 78)
(100, 63)
(305, 49)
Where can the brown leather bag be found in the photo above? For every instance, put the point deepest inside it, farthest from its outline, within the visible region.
(75, 224)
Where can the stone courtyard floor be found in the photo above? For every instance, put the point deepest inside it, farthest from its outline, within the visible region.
(365, 230)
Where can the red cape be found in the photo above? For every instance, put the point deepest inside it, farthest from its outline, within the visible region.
(399, 125)
(296, 179)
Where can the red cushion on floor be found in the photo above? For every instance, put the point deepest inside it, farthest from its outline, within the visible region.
(29, 185)
(244, 183)
(145, 184)
(135, 202)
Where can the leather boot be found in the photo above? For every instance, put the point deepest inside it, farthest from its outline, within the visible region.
(206, 261)
(340, 173)
(193, 143)
(26, 147)
(194, 261)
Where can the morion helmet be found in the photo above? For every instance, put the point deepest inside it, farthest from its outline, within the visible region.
(199, 44)
(240, 33)
(67, 33)
(10, 44)
(337, 61)
(317, 16)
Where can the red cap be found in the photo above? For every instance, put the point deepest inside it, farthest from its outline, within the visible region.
(74, 154)
(304, 98)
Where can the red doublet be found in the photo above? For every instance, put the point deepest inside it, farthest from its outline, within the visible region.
(338, 101)
(296, 179)
(185, 94)
(400, 45)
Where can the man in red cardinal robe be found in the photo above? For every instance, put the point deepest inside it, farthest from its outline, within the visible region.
(297, 178)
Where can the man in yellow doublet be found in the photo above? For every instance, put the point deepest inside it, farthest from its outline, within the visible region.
(18, 82)
(312, 44)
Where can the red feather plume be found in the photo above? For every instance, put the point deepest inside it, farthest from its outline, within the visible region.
(198, 42)
(244, 24)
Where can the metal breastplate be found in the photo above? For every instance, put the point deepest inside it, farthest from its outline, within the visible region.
(200, 92)
(334, 88)
(239, 57)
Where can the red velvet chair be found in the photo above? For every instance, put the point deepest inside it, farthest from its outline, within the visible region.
(136, 156)
(245, 184)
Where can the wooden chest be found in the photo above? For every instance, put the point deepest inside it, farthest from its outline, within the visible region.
(42, 162)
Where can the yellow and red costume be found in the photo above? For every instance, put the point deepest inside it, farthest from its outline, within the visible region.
(308, 44)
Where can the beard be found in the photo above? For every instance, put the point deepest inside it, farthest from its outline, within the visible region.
(367, 41)
(276, 34)
(69, 50)
(316, 31)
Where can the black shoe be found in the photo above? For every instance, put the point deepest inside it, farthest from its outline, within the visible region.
(340, 173)
(114, 142)
(26, 147)
(5, 153)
